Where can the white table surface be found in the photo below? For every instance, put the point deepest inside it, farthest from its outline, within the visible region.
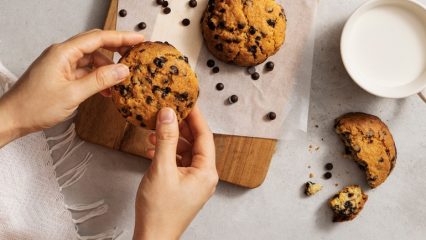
(278, 209)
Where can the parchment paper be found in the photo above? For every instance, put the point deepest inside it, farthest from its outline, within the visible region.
(284, 90)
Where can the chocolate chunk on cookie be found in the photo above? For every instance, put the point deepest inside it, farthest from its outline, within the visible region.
(370, 143)
(347, 203)
(243, 32)
(159, 77)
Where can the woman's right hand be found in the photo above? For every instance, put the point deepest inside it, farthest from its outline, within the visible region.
(169, 197)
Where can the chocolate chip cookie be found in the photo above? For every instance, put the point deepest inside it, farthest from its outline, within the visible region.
(370, 143)
(160, 76)
(244, 32)
(347, 203)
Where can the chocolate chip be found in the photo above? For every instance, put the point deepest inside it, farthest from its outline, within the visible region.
(222, 24)
(166, 92)
(272, 116)
(193, 3)
(327, 175)
(167, 10)
(185, 58)
(222, 10)
(233, 99)
(174, 70)
(122, 13)
(241, 26)
(220, 86)
(148, 100)
(186, 22)
(155, 88)
(348, 204)
(252, 49)
(329, 166)
(255, 76)
(216, 70)
(165, 4)
(139, 117)
(211, 25)
(159, 62)
(269, 66)
(210, 63)
(271, 22)
(142, 25)
(216, 37)
(219, 47)
(182, 96)
(258, 38)
(160, 2)
(252, 30)
(350, 195)
(251, 70)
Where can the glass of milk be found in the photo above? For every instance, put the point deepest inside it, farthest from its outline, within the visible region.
(383, 48)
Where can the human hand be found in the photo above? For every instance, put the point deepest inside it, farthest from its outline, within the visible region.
(62, 77)
(169, 197)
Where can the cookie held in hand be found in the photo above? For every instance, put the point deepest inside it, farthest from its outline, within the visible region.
(347, 203)
(243, 32)
(160, 76)
(370, 144)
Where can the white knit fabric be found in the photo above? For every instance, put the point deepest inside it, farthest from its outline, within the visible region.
(31, 203)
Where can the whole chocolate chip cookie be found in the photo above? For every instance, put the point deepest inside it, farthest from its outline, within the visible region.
(244, 32)
(370, 143)
(160, 76)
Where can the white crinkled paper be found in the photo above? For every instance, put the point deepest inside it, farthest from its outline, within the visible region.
(285, 90)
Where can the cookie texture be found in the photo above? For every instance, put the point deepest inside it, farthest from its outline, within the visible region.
(370, 144)
(348, 203)
(244, 32)
(312, 188)
(160, 76)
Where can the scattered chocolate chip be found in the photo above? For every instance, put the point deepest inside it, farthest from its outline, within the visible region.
(174, 70)
(193, 3)
(252, 30)
(271, 22)
(186, 22)
(167, 10)
(327, 175)
(216, 70)
(220, 86)
(139, 117)
(122, 13)
(329, 166)
(272, 116)
(142, 25)
(210, 63)
(233, 99)
(255, 76)
(241, 26)
(270, 66)
(251, 70)
(165, 4)
(160, 2)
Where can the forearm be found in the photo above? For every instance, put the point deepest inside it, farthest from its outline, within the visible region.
(9, 127)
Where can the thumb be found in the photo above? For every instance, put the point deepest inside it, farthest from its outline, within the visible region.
(167, 139)
(101, 79)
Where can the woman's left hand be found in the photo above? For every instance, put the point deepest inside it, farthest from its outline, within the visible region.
(63, 76)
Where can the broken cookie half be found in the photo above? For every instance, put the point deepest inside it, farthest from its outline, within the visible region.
(347, 203)
(368, 140)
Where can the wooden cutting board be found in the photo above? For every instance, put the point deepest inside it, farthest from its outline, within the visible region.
(243, 161)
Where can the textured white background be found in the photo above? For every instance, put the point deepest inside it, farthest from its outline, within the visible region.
(276, 210)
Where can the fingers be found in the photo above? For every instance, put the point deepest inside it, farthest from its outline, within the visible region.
(203, 149)
(183, 144)
(91, 41)
(167, 135)
(100, 79)
(185, 131)
(96, 59)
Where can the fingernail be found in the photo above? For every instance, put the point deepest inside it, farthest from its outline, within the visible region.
(167, 115)
(121, 71)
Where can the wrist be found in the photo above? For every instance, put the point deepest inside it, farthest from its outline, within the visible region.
(9, 127)
(145, 232)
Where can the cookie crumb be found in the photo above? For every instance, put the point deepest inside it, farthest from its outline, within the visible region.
(311, 175)
(312, 188)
